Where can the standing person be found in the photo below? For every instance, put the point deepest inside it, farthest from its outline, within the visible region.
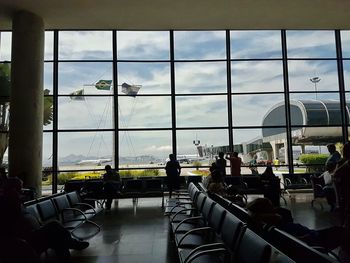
(221, 164)
(276, 163)
(111, 185)
(235, 163)
(334, 156)
(173, 171)
(342, 185)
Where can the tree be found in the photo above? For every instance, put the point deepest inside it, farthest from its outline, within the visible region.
(5, 87)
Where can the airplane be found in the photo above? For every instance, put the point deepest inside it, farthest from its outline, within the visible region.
(94, 162)
(188, 158)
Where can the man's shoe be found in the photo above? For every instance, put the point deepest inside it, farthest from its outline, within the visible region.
(78, 245)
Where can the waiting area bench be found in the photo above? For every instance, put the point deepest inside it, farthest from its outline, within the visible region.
(66, 208)
(211, 233)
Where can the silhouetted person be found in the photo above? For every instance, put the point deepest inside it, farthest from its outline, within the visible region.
(342, 185)
(18, 224)
(235, 163)
(208, 179)
(276, 163)
(328, 189)
(111, 185)
(216, 185)
(334, 156)
(262, 210)
(271, 185)
(221, 164)
(173, 171)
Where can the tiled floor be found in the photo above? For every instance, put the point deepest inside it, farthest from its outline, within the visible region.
(139, 232)
(130, 233)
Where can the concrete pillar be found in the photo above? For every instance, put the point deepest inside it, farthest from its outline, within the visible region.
(302, 149)
(26, 118)
(285, 152)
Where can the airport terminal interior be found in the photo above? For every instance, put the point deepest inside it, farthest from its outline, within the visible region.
(86, 85)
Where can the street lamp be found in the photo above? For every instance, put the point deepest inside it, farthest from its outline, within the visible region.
(315, 80)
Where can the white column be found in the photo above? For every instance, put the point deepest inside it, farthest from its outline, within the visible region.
(26, 112)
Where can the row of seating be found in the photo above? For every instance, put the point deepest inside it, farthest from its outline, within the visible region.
(128, 188)
(205, 231)
(67, 208)
(298, 181)
(284, 242)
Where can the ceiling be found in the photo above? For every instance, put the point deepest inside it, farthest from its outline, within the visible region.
(183, 14)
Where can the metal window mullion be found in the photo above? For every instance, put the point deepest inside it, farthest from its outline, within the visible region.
(55, 114)
(115, 102)
(173, 101)
(229, 95)
(342, 94)
(287, 101)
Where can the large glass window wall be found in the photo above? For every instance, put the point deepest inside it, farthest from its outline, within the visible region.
(130, 98)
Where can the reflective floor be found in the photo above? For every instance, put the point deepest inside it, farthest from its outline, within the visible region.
(139, 232)
(130, 233)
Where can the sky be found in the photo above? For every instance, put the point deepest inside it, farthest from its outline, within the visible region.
(190, 78)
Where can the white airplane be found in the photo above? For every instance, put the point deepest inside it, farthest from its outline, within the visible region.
(94, 162)
(188, 158)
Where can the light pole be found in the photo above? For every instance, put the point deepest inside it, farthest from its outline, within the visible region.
(315, 80)
(197, 142)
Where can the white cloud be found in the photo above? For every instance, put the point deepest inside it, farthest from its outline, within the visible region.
(84, 44)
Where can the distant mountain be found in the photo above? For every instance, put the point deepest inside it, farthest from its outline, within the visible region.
(75, 158)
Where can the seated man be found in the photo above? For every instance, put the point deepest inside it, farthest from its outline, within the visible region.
(262, 210)
(328, 189)
(17, 223)
(111, 185)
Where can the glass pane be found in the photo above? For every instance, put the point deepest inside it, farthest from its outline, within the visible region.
(262, 145)
(5, 84)
(144, 148)
(306, 110)
(310, 44)
(256, 44)
(201, 146)
(201, 111)
(48, 45)
(345, 43)
(257, 110)
(91, 45)
(256, 76)
(5, 46)
(48, 77)
(4, 136)
(347, 74)
(47, 149)
(200, 44)
(48, 113)
(73, 77)
(200, 77)
(309, 147)
(84, 150)
(144, 112)
(320, 75)
(152, 77)
(85, 112)
(144, 173)
(143, 45)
